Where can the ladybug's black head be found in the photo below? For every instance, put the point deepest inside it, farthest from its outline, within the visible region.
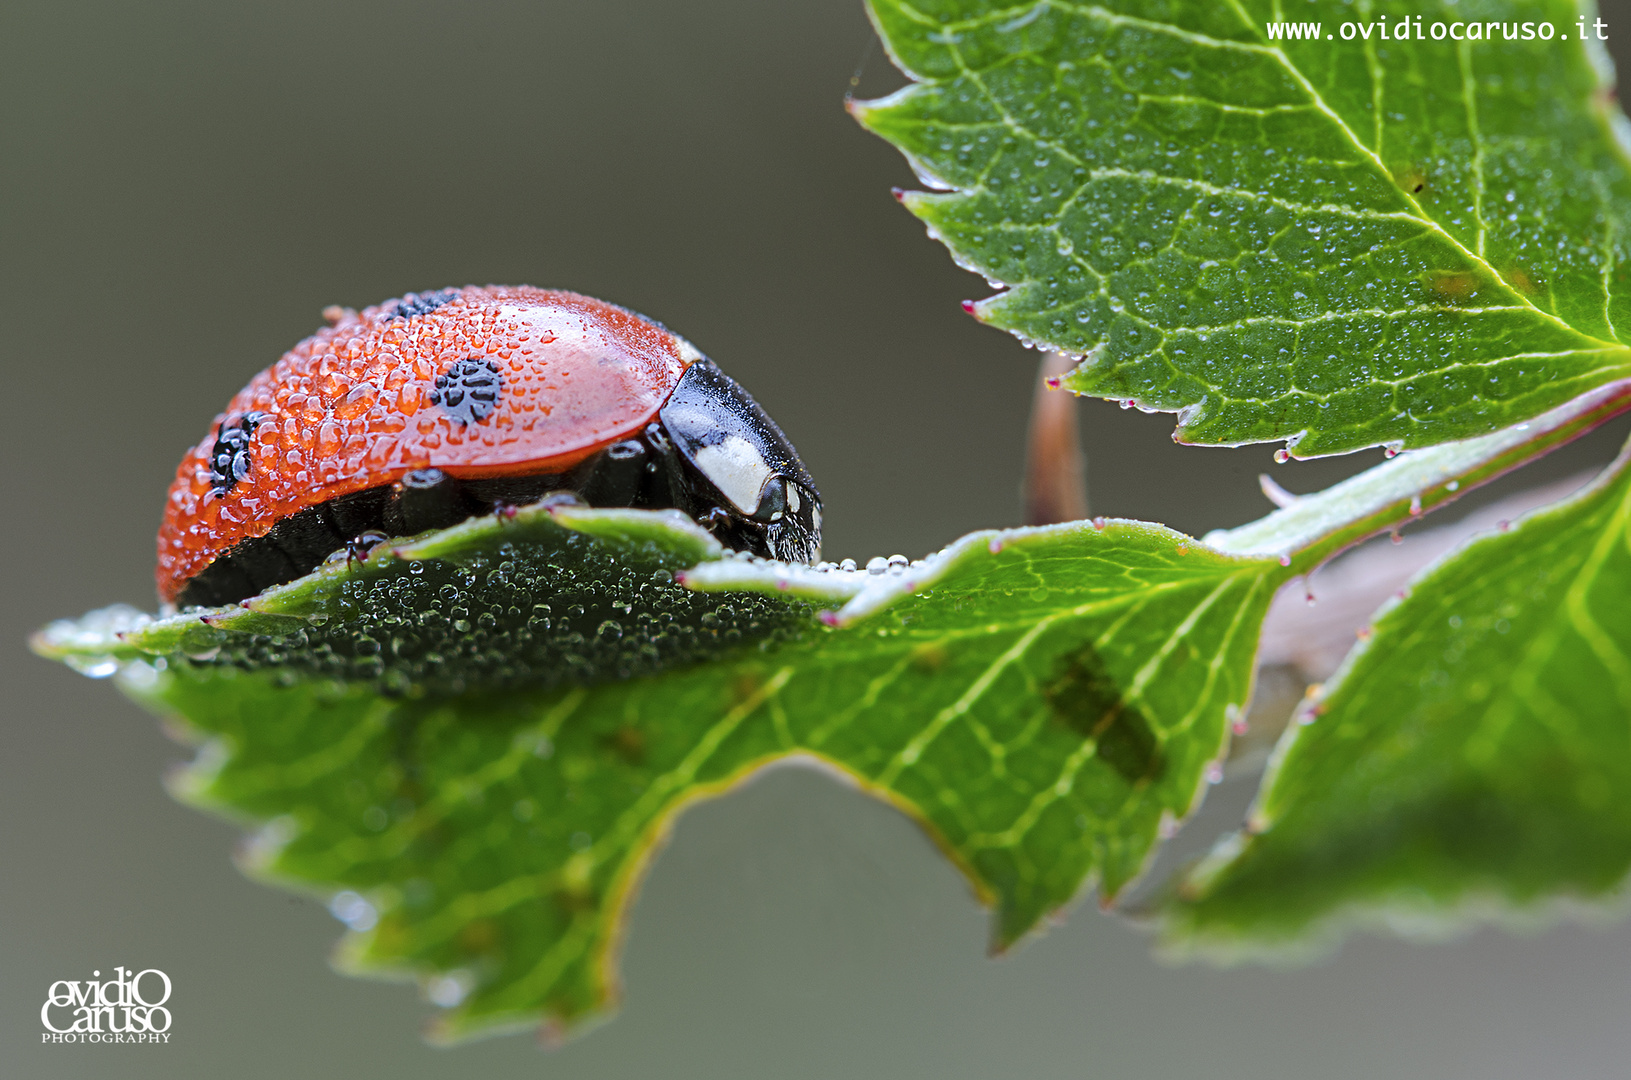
(762, 498)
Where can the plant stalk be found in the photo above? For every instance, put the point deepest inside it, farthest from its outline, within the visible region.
(1055, 467)
(1316, 527)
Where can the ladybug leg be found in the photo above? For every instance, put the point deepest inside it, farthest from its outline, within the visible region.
(717, 521)
(358, 548)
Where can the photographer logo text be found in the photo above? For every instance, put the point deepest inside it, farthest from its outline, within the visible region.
(126, 1009)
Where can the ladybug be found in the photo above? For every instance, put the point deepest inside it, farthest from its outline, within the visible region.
(423, 411)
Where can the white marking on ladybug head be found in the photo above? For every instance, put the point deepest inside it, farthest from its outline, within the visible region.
(793, 497)
(735, 467)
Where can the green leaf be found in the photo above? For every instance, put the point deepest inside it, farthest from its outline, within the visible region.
(1042, 700)
(1473, 758)
(1337, 243)
(551, 594)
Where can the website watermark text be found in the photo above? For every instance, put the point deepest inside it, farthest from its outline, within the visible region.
(1415, 28)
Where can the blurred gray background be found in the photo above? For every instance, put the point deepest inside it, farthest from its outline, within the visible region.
(183, 186)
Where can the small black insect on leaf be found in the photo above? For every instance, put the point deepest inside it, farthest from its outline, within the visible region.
(229, 460)
(1410, 178)
(421, 303)
(468, 389)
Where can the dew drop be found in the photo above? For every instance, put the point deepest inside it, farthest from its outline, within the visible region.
(450, 989)
(353, 910)
(96, 667)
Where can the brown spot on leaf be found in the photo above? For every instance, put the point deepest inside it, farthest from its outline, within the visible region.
(1085, 698)
(745, 686)
(629, 744)
(1454, 284)
(479, 936)
(574, 900)
(1519, 279)
(929, 657)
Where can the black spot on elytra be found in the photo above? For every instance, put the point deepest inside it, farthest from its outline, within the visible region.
(468, 389)
(229, 460)
(1087, 700)
(421, 303)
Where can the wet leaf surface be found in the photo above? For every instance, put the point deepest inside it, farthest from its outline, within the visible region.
(1339, 243)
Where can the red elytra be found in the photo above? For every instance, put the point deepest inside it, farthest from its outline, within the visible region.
(349, 408)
